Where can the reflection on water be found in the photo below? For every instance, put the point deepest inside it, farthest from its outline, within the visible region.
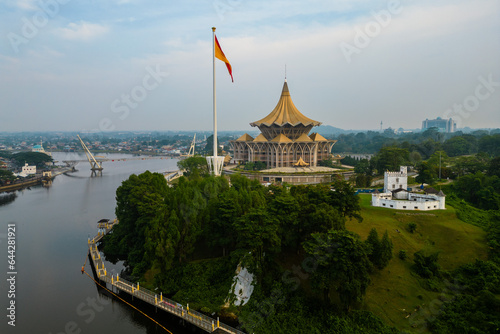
(6, 198)
(52, 228)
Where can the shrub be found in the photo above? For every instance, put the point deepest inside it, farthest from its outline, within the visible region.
(402, 254)
(412, 227)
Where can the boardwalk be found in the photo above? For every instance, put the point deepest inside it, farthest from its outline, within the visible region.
(119, 284)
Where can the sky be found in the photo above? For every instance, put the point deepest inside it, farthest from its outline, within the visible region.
(120, 65)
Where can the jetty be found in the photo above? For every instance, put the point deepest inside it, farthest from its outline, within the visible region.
(117, 284)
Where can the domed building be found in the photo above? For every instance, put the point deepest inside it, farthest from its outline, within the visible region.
(284, 140)
(40, 149)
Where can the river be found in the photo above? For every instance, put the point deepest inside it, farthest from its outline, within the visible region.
(51, 229)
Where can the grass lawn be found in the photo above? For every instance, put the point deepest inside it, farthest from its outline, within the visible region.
(395, 291)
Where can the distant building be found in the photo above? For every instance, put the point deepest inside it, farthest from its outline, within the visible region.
(27, 170)
(443, 125)
(40, 149)
(396, 195)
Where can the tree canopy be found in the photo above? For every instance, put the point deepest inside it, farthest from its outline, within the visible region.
(31, 158)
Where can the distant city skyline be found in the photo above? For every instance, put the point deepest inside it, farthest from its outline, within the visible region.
(131, 65)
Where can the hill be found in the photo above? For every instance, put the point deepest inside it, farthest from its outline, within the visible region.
(396, 294)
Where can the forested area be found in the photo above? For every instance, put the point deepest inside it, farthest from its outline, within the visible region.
(424, 144)
(191, 237)
(311, 273)
(31, 158)
(460, 156)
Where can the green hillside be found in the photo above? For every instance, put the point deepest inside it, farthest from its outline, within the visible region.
(396, 292)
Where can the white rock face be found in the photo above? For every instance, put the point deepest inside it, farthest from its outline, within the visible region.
(242, 287)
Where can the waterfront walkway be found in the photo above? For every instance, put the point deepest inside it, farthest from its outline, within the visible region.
(119, 284)
(24, 183)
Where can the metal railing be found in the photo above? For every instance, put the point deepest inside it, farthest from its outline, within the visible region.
(196, 318)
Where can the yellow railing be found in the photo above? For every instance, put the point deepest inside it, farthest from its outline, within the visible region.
(198, 319)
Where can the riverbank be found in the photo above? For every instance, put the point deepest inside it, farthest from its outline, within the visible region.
(40, 179)
(97, 152)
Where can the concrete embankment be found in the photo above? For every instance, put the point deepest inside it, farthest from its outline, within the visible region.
(35, 180)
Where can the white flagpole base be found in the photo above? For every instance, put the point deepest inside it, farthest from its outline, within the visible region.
(215, 164)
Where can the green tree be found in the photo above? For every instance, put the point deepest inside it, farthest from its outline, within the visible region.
(139, 207)
(161, 238)
(480, 190)
(196, 165)
(285, 208)
(402, 254)
(363, 167)
(342, 265)
(490, 145)
(5, 154)
(412, 227)
(325, 217)
(190, 203)
(494, 167)
(386, 247)
(415, 158)
(438, 158)
(456, 146)
(427, 147)
(391, 158)
(6, 175)
(374, 250)
(221, 230)
(343, 198)
(426, 265)
(258, 233)
(31, 158)
(426, 173)
(249, 166)
(469, 165)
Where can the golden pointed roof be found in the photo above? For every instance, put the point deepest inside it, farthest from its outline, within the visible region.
(285, 112)
(281, 138)
(245, 137)
(304, 137)
(260, 138)
(301, 163)
(317, 137)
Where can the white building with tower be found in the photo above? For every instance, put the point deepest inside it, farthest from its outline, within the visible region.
(26, 170)
(397, 196)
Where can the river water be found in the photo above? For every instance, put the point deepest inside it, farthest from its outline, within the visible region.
(52, 226)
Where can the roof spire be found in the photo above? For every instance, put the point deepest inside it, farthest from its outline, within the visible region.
(285, 72)
(285, 112)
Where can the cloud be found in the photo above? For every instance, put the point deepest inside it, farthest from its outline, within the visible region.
(82, 31)
(23, 4)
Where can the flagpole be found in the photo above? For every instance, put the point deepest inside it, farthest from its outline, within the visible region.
(215, 168)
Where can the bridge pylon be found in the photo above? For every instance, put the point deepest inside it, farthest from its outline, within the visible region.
(95, 167)
(191, 148)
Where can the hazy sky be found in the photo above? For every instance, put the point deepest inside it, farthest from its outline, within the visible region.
(147, 65)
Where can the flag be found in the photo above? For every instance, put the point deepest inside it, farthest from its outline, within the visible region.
(220, 55)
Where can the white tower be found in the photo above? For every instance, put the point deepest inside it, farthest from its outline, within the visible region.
(396, 180)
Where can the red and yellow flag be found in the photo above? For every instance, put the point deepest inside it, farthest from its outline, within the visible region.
(220, 55)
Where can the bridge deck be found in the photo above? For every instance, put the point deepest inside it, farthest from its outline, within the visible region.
(200, 320)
